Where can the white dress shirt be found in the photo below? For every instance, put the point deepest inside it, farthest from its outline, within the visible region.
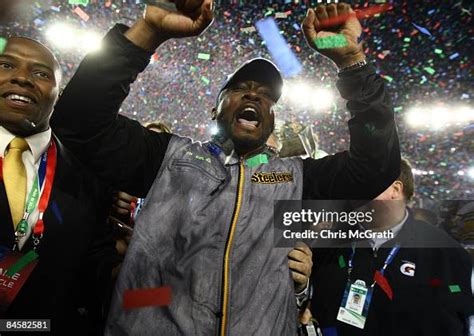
(38, 143)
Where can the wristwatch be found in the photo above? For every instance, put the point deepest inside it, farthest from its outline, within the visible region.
(354, 66)
(303, 296)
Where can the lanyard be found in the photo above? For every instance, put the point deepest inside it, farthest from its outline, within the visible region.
(44, 177)
(388, 260)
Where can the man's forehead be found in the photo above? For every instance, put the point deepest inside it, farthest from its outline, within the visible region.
(31, 49)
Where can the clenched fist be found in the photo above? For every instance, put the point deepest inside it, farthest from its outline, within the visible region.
(314, 27)
(191, 19)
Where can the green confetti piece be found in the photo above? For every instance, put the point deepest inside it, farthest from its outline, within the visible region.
(406, 39)
(429, 70)
(79, 2)
(22, 262)
(438, 51)
(3, 44)
(387, 78)
(398, 109)
(335, 41)
(193, 68)
(454, 289)
(342, 262)
(204, 56)
(205, 80)
(257, 160)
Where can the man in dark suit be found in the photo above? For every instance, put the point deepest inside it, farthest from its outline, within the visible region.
(74, 258)
(425, 290)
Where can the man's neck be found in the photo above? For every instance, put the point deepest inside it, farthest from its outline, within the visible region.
(397, 217)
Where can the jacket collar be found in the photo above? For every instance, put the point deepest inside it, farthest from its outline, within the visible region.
(223, 148)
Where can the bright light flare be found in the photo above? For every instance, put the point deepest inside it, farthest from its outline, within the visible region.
(61, 35)
(308, 96)
(439, 117)
(91, 41)
(470, 173)
(65, 37)
(322, 99)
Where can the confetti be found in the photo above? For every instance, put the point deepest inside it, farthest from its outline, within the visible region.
(454, 56)
(205, 80)
(360, 14)
(3, 252)
(22, 262)
(454, 288)
(204, 56)
(79, 2)
(250, 29)
(429, 70)
(284, 57)
(342, 262)
(280, 15)
(147, 297)
(422, 29)
(335, 41)
(83, 15)
(3, 44)
(435, 282)
(257, 160)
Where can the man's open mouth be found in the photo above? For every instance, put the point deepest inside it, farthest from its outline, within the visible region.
(248, 117)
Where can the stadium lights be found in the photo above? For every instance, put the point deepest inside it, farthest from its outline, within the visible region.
(305, 95)
(470, 172)
(66, 37)
(439, 117)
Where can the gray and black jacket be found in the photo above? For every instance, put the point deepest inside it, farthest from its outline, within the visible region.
(206, 227)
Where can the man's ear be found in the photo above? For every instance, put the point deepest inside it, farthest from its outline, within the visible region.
(213, 113)
(398, 189)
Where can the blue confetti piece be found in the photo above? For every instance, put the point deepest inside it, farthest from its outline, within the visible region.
(57, 212)
(296, 26)
(284, 57)
(453, 56)
(422, 29)
(39, 22)
(3, 252)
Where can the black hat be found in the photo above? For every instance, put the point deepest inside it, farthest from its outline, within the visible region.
(259, 70)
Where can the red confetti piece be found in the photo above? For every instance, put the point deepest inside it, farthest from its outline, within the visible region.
(383, 284)
(435, 282)
(83, 15)
(147, 297)
(360, 14)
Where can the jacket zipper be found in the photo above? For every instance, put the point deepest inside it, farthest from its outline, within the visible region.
(228, 246)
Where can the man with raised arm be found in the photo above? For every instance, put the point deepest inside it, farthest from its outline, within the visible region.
(206, 228)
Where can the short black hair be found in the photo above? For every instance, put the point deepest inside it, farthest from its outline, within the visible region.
(406, 177)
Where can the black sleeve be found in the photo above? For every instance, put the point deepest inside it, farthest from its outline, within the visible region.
(120, 151)
(373, 160)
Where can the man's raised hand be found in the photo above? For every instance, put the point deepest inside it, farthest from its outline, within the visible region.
(191, 19)
(314, 28)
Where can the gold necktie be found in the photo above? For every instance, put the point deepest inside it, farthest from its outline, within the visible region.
(14, 178)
